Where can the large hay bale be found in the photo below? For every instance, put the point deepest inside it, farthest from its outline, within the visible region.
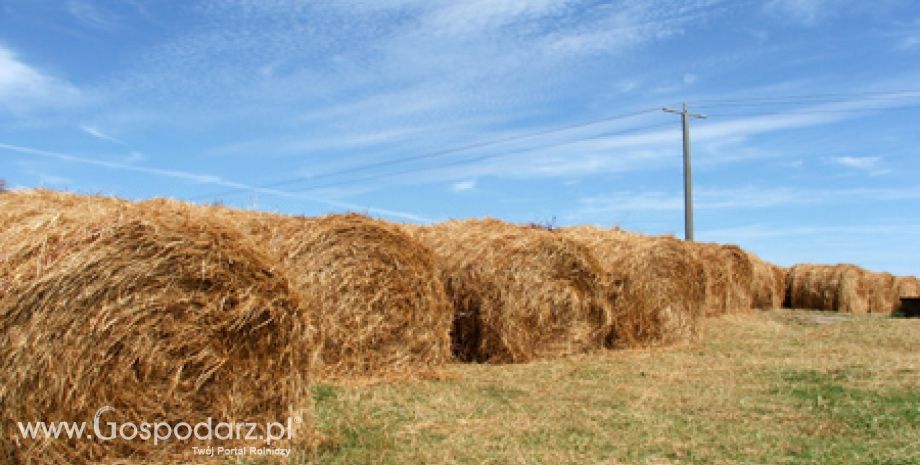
(842, 288)
(382, 306)
(907, 286)
(663, 286)
(729, 277)
(768, 287)
(883, 295)
(164, 315)
(519, 293)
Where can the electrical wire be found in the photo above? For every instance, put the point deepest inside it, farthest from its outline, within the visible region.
(466, 161)
(437, 154)
(809, 98)
(461, 162)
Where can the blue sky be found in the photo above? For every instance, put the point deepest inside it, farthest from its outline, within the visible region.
(809, 153)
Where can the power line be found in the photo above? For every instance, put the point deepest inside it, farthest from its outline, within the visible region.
(808, 98)
(811, 112)
(470, 160)
(436, 154)
(752, 101)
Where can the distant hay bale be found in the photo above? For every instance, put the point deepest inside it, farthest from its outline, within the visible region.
(883, 295)
(907, 286)
(519, 293)
(382, 306)
(842, 288)
(768, 287)
(160, 313)
(662, 285)
(729, 277)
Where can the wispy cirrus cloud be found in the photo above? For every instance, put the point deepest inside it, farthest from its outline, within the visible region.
(98, 134)
(91, 15)
(776, 231)
(736, 198)
(860, 163)
(461, 186)
(200, 178)
(24, 88)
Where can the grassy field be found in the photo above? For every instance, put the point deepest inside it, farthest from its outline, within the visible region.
(783, 387)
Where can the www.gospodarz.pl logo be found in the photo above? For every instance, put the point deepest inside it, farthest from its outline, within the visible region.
(159, 432)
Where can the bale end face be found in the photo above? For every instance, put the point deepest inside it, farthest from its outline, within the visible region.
(382, 307)
(519, 293)
(661, 287)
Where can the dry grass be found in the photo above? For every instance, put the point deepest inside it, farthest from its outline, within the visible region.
(156, 311)
(763, 388)
(519, 293)
(662, 285)
(383, 310)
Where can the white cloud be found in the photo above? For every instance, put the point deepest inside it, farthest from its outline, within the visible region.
(463, 185)
(806, 12)
(90, 15)
(860, 163)
(690, 78)
(814, 12)
(910, 42)
(98, 134)
(24, 88)
(477, 15)
(628, 85)
(735, 198)
(764, 231)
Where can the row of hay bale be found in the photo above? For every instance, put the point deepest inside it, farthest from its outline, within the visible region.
(847, 288)
(175, 312)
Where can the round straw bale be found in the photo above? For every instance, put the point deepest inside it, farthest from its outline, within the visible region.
(883, 295)
(729, 277)
(519, 293)
(159, 314)
(382, 306)
(742, 277)
(907, 286)
(768, 287)
(717, 274)
(853, 292)
(663, 285)
(842, 288)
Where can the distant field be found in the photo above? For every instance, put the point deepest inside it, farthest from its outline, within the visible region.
(778, 387)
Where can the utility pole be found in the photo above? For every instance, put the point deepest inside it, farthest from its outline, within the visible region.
(685, 116)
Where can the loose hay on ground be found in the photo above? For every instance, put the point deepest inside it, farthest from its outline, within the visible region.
(519, 293)
(663, 287)
(160, 313)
